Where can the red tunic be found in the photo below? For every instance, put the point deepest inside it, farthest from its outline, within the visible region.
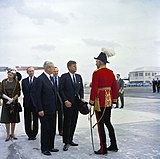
(104, 88)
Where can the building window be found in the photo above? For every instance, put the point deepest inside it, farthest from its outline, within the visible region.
(136, 74)
(132, 75)
(140, 73)
(147, 74)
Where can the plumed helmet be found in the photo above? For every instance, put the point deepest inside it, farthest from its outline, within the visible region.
(104, 54)
(83, 108)
(102, 57)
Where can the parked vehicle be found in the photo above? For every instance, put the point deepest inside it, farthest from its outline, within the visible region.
(138, 84)
(146, 84)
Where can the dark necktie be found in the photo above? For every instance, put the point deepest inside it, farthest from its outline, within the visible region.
(30, 81)
(74, 81)
(56, 83)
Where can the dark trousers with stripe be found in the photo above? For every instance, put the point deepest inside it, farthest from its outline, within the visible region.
(48, 129)
(70, 122)
(105, 120)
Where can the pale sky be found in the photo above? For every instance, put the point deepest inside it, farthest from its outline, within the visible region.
(33, 31)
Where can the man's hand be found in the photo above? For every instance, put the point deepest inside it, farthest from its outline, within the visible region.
(41, 113)
(68, 104)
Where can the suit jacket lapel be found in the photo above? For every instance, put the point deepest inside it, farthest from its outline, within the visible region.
(27, 81)
(49, 82)
(76, 84)
(28, 84)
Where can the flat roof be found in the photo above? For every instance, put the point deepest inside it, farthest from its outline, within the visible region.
(155, 69)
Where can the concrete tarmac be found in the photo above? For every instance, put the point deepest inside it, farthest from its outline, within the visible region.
(137, 128)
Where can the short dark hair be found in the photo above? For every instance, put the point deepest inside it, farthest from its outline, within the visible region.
(70, 63)
(29, 67)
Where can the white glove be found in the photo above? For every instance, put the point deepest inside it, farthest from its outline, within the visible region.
(6, 97)
(10, 100)
(89, 106)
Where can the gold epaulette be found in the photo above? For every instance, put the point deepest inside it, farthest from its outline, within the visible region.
(108, 100)
(97, 105)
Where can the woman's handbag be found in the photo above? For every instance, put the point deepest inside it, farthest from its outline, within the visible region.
(17, 107)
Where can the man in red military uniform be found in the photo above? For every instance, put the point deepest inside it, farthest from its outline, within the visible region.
(104, 93)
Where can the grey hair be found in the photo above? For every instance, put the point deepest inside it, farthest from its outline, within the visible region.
(47, 64)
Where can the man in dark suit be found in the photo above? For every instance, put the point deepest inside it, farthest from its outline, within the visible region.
(46, 108)
(30, 114)
(59, 103)
(154, 85)
(158, 85)
(120, 83)
(71, 89)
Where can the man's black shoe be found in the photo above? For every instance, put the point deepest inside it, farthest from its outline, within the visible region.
(54, 150)
(112, 148)
(65, 148)
(99, 152)
(73, 144)
(46, 153)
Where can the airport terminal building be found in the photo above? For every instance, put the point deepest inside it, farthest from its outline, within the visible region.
(144, 74)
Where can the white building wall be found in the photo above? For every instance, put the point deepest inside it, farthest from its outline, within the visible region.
(144, 74)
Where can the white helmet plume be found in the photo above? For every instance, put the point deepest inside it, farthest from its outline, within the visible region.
(108, 52)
